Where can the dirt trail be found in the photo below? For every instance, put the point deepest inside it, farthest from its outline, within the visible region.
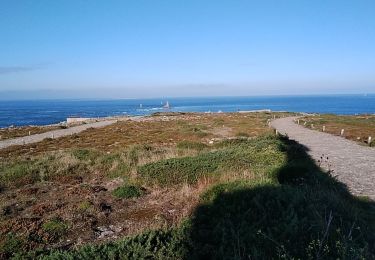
(53, 134)
(353, 164)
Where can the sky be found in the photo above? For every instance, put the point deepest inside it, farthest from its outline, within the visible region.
(154, 48)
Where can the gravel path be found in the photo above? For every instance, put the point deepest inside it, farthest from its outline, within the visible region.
(53, 134)
(353, 164)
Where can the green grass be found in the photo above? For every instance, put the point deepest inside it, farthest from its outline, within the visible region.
(75, 163)
(84, 206)
(55, 228)
(290, 209)
(11, 245)
(259, 156)
(128, 191)
(20, 172)
(181, 170)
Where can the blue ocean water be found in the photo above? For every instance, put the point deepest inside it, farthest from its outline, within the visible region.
(43, 112)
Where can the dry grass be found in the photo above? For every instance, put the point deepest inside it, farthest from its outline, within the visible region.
(356, 128)
(156, 130)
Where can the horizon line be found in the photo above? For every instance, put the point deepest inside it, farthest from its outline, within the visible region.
(191, 97)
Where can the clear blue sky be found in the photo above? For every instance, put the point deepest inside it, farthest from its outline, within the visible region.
(151, 48)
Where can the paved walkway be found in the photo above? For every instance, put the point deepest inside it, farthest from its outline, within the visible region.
(53, 134)
(353, 164)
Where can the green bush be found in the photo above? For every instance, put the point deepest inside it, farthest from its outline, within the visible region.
(128, 191)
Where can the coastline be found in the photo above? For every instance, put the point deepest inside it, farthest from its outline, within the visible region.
(50, 112)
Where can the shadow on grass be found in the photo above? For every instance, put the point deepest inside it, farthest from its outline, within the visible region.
(304, 214)
(297, 212)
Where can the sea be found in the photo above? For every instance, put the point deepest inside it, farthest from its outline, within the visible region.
(45, 112)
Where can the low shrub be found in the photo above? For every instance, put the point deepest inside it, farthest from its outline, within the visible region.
(259, 156)
(11, 245)
(128, 191)
(159, 244)
(180, 170)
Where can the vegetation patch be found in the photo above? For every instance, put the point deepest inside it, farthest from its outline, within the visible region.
(84, 206)
(191, 145)
(181, 170)
(47, 168)
(128, 191)
(11, 246)
(159, 244)
(291, 209)
(55, 228)
(242, 134)
(259, 156)
(85, 154)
